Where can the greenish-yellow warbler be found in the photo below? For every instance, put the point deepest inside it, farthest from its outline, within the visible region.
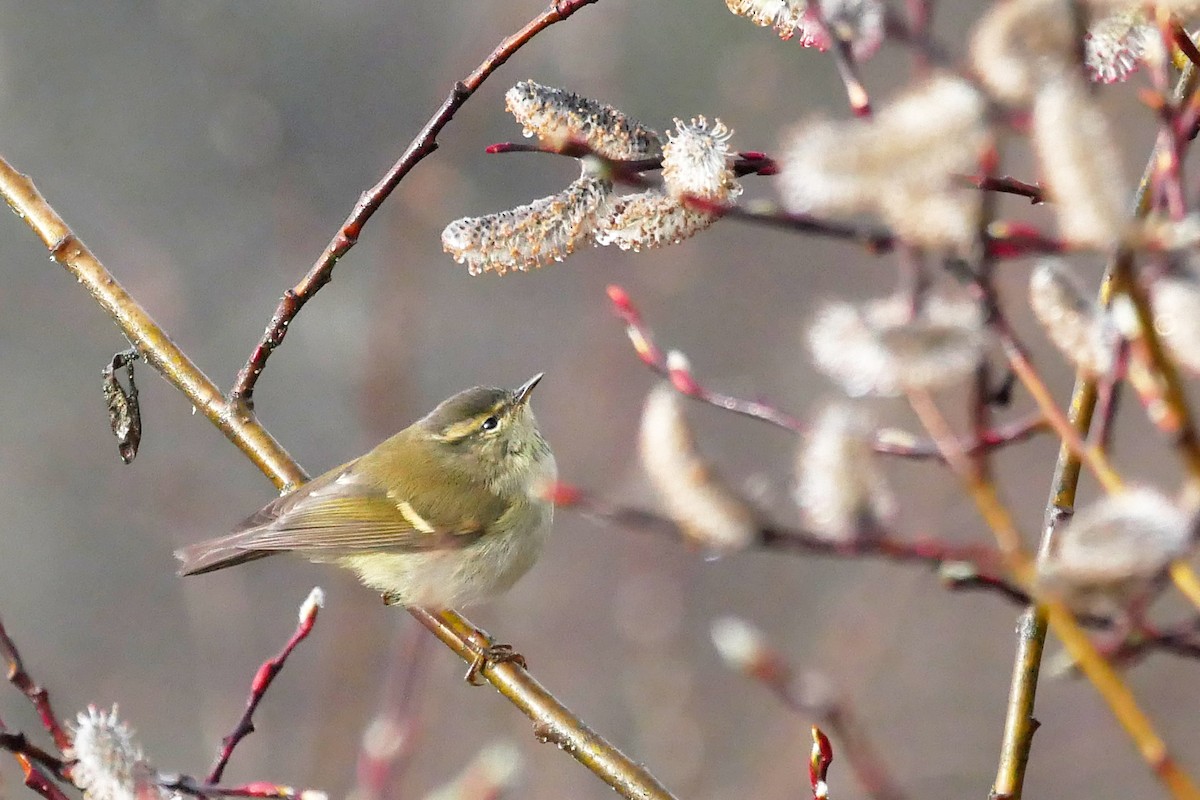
(445, 513)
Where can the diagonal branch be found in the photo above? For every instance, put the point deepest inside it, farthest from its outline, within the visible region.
(242, 394)
(513, 681)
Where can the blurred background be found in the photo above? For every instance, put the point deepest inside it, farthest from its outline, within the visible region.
(208, 149)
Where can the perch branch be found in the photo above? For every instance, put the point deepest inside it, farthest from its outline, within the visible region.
(268, 455)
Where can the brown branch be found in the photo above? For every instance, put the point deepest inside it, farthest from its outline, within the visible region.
(268, 455)
(1007, 185)
(888, 441)
(19, 744)
(552, 722)
(262, 681)
(425, 142)
(20, 678)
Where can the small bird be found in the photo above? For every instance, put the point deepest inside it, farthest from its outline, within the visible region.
(446, 513)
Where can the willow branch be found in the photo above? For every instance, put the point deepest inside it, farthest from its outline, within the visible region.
(887, 441)
(1107, 682)
(268, 455)
(370, 201)
(1019, 723)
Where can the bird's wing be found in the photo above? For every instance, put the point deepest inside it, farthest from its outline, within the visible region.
(345, 512)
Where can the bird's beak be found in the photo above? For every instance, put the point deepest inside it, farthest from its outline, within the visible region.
(521, 393)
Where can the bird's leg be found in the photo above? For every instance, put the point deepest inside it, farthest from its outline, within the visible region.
(487, 652)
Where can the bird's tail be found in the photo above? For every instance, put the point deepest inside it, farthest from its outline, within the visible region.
(219, 553)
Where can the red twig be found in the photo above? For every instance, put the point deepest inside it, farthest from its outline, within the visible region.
(369, 202)
(189, 786)
(40, 698)
(258, 688)
(818, 764)
(1007, 185)
(978, 565)
(38, 781)
(889, 442)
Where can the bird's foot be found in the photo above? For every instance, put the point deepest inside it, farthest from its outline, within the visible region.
(489, 654)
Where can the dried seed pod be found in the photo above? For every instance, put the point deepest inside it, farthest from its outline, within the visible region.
(706, 509)
(1113, 551)
(649, 219)
(1079, 162)
(532, 235)
(881, 348)
(696, 161)
(557, 115)
(839, 488)
(1080, 329)
(124, 411)
(1175, 299)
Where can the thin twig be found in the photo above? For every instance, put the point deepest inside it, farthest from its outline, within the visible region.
(1019, 723)
(262, 681)
(810, 695)
(887, 441)
(185, 784)
(983, 561)
(1108, 683)
(425, 142)
(552, 722)
(20, 678)
(268, 455)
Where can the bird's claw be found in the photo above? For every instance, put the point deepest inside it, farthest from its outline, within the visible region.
(489, 655)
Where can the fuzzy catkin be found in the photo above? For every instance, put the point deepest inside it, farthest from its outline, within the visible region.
(840, 491)
(554, 114)
(1080, 329)
(706, 509)
(1111, 552)
(1080, 163)
(880, 348)
(531, 235)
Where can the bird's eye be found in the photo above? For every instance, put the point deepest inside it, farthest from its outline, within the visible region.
(490, 424)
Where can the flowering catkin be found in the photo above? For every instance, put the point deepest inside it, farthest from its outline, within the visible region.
(557, 115)
(532, 235)
(109, 763)
(1112, 551)
(880, 348)
(696, 161)
(1077, 326)
(706, 509)
(914, 147)
(1175, 300)
(1079, 162)
(649, 219)
(858, 22)
(1018, 43)
(839, 489)
(1115, 44)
